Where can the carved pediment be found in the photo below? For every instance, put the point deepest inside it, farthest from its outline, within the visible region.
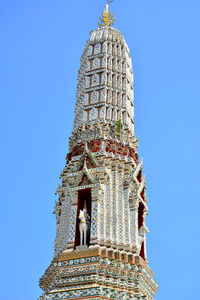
(87, 154)
(85, 176)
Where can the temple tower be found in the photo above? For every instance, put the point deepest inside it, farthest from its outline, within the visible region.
(100, 245)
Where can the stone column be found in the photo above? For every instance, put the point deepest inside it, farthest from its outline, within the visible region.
(72, 225)
(120, 207)
(100, 216)
(127, 225)
(114, 188)
(94, 209)
(134, 204)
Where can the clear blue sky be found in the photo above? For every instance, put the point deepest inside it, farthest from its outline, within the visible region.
(40, 48)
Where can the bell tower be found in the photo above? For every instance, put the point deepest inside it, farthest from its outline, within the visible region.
(100, 245)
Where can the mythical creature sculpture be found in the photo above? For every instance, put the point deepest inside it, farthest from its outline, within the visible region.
(142, 232)
(84, 225)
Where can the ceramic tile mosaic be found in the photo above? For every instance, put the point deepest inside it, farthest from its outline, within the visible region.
(94, 219)
(103, 187)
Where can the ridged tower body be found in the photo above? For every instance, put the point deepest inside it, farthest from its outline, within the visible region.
(102, 176)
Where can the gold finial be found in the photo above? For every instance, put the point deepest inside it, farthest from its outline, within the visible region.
(107, 19)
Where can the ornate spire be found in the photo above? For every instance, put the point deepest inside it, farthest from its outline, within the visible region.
(107, 19)
(102, 175)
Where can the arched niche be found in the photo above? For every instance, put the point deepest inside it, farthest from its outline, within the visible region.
(84, 197)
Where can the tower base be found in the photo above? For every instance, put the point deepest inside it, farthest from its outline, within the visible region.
(98, 273)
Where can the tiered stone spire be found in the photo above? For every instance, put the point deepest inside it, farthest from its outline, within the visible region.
(102, 195)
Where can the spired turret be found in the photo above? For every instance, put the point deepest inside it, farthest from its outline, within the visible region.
(100, 246)
(105, 81)
(105, 87)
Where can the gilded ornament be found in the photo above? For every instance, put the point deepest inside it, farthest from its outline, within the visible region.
(107, 19)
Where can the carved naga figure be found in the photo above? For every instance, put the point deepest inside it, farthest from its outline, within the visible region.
(84, 225)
